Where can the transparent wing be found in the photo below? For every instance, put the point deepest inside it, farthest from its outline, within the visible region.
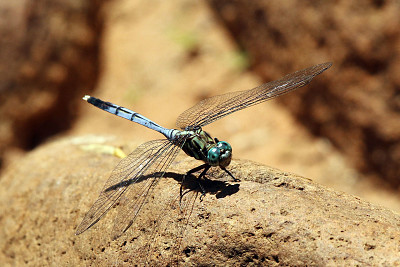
(169, 229)
(214, 108)
(134, 176)
(186, 207)
(135, 196)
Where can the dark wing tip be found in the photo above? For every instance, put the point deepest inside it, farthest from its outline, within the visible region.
(81, 229)
(86, 224)
(324, 66)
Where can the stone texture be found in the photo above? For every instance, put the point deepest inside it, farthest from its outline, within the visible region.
(356, 104)
(271, 217)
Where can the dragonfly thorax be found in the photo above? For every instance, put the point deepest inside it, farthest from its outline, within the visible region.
(200, 145)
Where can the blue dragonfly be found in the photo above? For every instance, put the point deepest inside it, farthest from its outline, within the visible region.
(135, 177)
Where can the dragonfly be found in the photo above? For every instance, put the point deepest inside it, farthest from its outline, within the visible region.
(136, 176)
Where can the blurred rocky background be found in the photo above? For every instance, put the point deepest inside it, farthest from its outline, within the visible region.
(49, 55)
(356, 105)
(161, 57)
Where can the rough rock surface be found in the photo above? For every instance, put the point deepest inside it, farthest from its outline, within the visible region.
(271, 217)
(356, 104)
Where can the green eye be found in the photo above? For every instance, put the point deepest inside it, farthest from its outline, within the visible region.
(213, 156)
(225, 153)
(224, 146)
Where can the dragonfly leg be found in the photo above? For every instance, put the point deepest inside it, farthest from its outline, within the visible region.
(206, 167)
(198, 168)
(231, 175)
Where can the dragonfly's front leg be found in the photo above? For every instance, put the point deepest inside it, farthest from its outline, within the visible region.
(231, 175)
(206, 167)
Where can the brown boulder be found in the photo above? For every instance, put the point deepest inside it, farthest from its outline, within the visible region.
(271, 217)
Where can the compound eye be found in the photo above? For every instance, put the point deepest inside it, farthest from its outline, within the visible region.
(213, 156)
(225, 153)
(224, 146)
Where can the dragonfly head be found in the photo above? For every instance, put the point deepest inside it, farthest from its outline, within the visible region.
(220, 155)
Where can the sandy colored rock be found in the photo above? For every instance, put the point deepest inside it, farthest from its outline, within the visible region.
(271, 217)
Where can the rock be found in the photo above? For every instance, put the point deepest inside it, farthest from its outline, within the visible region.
(271, 217)
(355, 104)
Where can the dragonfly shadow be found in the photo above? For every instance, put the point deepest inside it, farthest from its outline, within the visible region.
(220, 189)
(190, 182)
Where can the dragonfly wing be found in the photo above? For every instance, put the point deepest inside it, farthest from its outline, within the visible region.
(135, 196)
(186, 207)
(214, 108)
(167, 228)
(151, 156)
